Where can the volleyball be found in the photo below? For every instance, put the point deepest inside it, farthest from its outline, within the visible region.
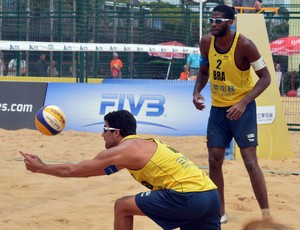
(50, 120)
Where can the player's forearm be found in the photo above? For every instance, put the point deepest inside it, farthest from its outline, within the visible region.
(59, 170)
(86, 168)
(260, 86)
(201, 82)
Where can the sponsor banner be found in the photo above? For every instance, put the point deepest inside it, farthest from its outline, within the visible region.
(162, 109)
(266, 114)
(94, 47)
(19, 103)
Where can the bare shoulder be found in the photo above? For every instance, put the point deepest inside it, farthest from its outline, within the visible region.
(206, 37)
(205, 43)
(135, 153)
(245, 43)
(127, 154)
(247, 48)
(136, 145)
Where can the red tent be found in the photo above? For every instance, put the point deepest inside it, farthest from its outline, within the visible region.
(168, 55)
(286, 46)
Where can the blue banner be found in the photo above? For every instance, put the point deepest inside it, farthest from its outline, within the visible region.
(162, 107)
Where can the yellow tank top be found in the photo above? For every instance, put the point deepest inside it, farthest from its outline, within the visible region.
(169, 169)
(228, 84)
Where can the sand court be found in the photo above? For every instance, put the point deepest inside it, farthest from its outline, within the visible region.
(35, 201)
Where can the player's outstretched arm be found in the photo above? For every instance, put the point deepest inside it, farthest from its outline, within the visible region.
(86, 168)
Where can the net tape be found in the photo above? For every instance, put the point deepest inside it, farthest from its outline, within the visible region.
(93, 47)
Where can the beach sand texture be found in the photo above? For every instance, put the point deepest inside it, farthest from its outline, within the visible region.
(35, 201)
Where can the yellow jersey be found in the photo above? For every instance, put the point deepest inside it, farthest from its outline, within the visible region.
(228, 83)
(170, 169)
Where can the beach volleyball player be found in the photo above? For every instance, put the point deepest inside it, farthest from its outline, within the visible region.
(180, 194)
(226, 59)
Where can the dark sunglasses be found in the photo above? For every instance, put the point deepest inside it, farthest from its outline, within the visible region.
(109, 128)
(217, 20)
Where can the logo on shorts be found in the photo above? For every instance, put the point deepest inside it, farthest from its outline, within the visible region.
(251, 137)
(145, 193)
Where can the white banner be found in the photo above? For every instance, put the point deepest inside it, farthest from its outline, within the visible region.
(94, 47)
(266, 114)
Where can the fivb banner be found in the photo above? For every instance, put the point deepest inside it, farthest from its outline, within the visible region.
(160, 107)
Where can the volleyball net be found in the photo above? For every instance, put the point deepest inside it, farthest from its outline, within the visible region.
(92, 60)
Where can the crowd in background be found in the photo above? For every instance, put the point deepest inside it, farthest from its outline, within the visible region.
(41, 67)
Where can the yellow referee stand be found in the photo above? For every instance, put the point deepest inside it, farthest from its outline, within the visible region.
(273, 138)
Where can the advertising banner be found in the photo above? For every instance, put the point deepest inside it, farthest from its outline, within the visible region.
(160, 107)
(19, 102)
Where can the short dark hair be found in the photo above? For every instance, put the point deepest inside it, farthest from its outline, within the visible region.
(123, 120)
(228, 12)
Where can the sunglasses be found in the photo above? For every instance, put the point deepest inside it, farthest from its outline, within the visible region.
(109, 128)
(217, 20)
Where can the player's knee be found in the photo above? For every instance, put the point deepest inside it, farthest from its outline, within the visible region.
(251, 165)
(215, 162)
(119, 206)
(122, 206)
(215, 165)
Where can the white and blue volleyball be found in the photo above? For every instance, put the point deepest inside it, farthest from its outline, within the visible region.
(50, 120)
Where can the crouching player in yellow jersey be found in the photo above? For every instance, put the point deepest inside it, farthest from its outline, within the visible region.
(181, 195)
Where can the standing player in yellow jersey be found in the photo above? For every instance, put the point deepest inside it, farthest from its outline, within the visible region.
(181, 194)
(226, 58)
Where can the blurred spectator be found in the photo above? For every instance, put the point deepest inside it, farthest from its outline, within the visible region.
(193, 63)
(279, 77)
(12, 66)
(228, 2)
(73, 69)
(41, 66)
(51, 70)
(257, 4)
(159, 76)
(116, 66)
(185, 74)
(2, 64)
(277, 67)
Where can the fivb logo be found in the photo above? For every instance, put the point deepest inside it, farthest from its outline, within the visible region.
(152, 104)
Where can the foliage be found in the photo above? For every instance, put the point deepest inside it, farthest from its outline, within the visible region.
(277, 25)
(288, 79)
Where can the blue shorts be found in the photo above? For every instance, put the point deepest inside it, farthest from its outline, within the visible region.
(221, 130)
(189, 211)
(194, 71)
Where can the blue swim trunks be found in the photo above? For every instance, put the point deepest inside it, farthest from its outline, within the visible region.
(221, 130)
(189, 211)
